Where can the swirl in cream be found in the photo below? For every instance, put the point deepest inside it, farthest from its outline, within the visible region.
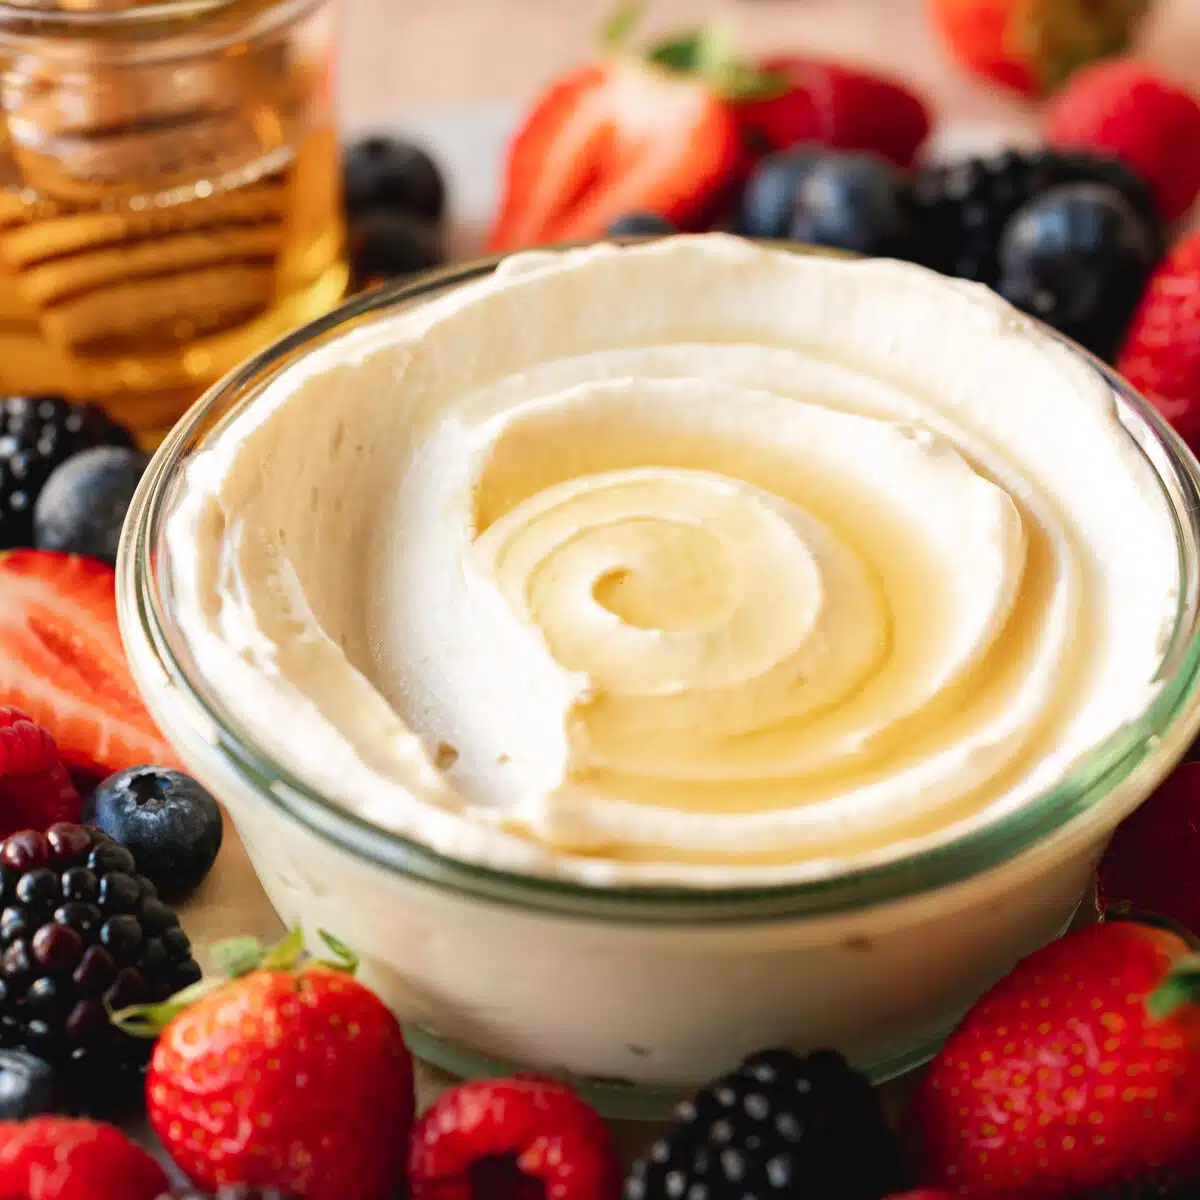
(694, 563)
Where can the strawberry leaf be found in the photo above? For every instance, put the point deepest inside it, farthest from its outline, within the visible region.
(616, 30)
(345, 958)
(1181, 987)
(285, 955)
(237, 956)
(149, 1020)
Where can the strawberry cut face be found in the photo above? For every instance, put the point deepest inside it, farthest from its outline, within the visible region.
(613, 138)
(61, 661)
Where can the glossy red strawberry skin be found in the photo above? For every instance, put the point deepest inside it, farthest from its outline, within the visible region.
(1127, 109)
(62, 663)
(979, 34)
(1161, 355)
(549, 1142)
(1151, 862)
(839, 106)
(54, 1158)
(35, 789)
(1058, 1082)
(612, 138)
(300, 1082)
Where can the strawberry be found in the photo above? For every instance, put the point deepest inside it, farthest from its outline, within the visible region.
(61, 661)
(35, 789)
(837, 106)
(1128, 110)
(1151, 861)
(616, 137)
(291, 1076)
(1161, 355)
(1080, 1072)
(508, 1139)
(1031, 46)
(53, 1158)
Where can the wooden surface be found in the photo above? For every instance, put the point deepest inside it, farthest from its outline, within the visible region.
(407, 55)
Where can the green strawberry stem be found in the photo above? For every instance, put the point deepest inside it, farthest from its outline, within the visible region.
(1181, 987)
(234, 958)
(705, 54)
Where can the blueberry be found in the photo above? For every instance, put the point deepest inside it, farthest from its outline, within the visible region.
(27, 1086)
(1079, 257)
(82, 507)
(769, 201)
(389, 174)
(855, 202)
(386, 245)
(641, 224)
(166, 819)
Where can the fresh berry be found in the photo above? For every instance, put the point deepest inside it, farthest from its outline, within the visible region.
(1151, 861)
(640, 225)
(771, 193)
(56, 1158)
(28, 1086)
(1078, 257)
(83, 504)
(388, 245)
(61, 661)
(390, 174)
(835, 106)
(1126, 109)
(321, 1099)
(1161, 355)
(82, 934)
(780, 1125)
(1077, 1074)
(619, 136)
(37, 433)
(964, 208)
(237, 1191)
(509, 1139)
(855, 202)
(922, 1194)
(167, 820)
(1033, 45)
(35, 789)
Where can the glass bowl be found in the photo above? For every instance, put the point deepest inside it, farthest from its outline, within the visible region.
(636, 995)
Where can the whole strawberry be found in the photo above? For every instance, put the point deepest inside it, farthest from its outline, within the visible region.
(1129, 110)
(1033, 45)
(291, 1076)
(1161, 355)
(508, 1139)
(1151, 862)
(35, 789)
(1078, 1073)
(837, 106)
(54, 1158)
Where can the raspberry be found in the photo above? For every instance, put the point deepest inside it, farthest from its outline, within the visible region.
(35, 789)
(52, 1158)
(509, 1139)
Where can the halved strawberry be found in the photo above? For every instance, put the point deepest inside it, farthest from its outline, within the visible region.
(61, 661)
(611, 138)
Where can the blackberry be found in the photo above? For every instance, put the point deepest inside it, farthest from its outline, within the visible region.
(963, 209)
(780, 1125)
(37, 433)
(82, 934)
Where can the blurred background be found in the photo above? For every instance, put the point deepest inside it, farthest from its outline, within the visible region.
(413, 55)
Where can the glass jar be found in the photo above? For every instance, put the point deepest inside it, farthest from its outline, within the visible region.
(638, 995)
(169, 194)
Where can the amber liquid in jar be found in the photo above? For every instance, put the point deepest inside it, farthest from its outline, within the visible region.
(169, 195)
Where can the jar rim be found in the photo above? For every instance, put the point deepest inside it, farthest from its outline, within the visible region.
(138, 21)
(1148, 746)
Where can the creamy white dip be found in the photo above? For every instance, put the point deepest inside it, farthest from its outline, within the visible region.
(692, 563)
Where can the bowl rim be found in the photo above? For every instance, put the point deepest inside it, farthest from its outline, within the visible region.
(1148, 746)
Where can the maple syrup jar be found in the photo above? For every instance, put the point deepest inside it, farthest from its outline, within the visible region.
(169, 194)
